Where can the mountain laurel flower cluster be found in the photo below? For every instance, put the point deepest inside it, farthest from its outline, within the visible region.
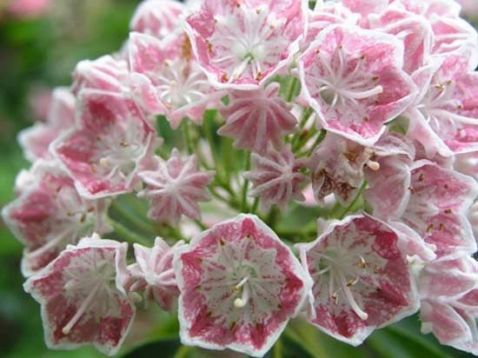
(295, 160)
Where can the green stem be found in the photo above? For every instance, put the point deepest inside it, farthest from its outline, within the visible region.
(255, 205)
(183, 352)
(272, 217)
(277, 350)
(294, 83)
(245, 186)
(132, 218)
(128, 235)
(354, 202)
(187, 137)
(319, 140)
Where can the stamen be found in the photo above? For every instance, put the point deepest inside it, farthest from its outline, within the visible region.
(81, 310)
(373, 165)
(364, 94)
(351, 300)
(362, 263)
(104, 162)
(242, 301)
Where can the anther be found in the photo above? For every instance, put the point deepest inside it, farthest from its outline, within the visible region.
(373, 165)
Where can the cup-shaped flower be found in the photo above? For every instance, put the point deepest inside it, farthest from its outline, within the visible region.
(111, 142)
(257, 118)
(449, 293)
(241, 44)
(414, 31)
(50, 214)
(82, 297)
(340, 165)
(438, 205)
(105, 73)
(443, 116)
(166, 78)
(354, 80)
(362, 279)
(174, 188)
(239, 286)
(153, 273)
(157, 18)
(36, 140)
(276, 178)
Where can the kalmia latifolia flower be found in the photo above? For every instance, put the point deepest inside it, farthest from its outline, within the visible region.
(174, 188)
(49, 214)
(239, 286)
(362, 280)
(166, 78)
(241, 44)
(106, 73)
(445, 109)
(157, 18)
(82, 297)
(36, 140)
(111, 143)
(354, 80)
(230, 129)
(277, 178)
(256, 118)
(153, 272)
(437, 208)
(449, 297)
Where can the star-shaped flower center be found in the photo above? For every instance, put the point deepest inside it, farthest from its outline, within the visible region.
(246, 41)
(241, 282)
(90, 285)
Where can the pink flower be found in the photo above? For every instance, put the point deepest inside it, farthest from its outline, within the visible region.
(239, 286)
(157, 18)
(82, 298)
(167, 80)
(28, 8)
(339, 165)
(361, 279)
(437, 207)
(153, 272)
(276, 178)
(353, 79)
(36, 140)
(449, 292)
(443, 115)
(241, 44)
(256, 118)
(388, 179)
(326, 15)
(111, 143)
(414, 31)
(174, 188)
(452, 35)
(49, 214)
(105, 73)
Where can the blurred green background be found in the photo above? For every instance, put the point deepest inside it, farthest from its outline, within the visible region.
(38, 51)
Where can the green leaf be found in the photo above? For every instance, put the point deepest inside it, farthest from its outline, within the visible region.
(162, 348)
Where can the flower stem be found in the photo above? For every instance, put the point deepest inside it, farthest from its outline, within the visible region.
(128, 235)
(130, 216)
(245, 187)
(187, 137)
(354, 202)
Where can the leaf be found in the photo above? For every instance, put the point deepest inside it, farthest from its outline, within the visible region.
(162, 348)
